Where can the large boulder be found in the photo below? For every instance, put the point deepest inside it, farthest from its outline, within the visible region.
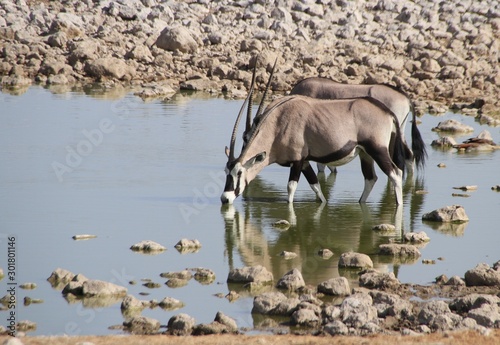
(255, 274)
(292, 280)
(483, 275)
(109, 67)
(177, 38)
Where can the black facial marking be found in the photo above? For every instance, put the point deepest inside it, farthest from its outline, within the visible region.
(229, 184)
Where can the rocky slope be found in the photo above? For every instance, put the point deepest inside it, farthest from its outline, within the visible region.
(445, 51)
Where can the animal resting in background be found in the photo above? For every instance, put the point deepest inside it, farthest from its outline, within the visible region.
(294, 130)
(392, 98)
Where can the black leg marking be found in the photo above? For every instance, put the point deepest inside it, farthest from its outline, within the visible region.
(309, 173)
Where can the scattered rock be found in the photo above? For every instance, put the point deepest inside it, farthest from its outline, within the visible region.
(83, 237)
(188, 244)
(28, 286)
(448, 214)
(416, 237)
(496, 188)
(292, 280)
(204, 276)
(384, 228)
(142, 325)
(325, 253)
(257, 274)
(357, 310)
(288, 255)
(401, 250)
(148, 247)
(176, 282)
(267, 302)
(170, 303)
(184, 274)
(466, 188)
(60, 277)
(131, 304)
(26, 326)
(335, 286)
(282, 224)
(181, 324)
(444, 143)
(355, 260)
(482, 275)
(452, 125)
(377, 280)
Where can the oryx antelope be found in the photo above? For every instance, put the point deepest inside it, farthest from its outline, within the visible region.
(392, 98)
(294, 130)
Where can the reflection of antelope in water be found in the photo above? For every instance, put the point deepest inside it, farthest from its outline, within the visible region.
(250, 235)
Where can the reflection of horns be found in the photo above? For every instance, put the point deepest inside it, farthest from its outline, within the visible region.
(250, 100)
(235, 128)
(267, 88)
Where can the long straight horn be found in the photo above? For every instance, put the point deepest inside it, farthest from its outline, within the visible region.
(236, 123)
(250, 99)
(261, 105)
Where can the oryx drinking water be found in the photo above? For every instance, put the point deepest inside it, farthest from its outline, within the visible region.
(294, 130)
(392, 98)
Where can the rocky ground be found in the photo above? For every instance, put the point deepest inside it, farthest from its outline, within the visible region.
(444, 52)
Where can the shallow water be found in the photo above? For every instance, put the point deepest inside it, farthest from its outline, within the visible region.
(109, 164)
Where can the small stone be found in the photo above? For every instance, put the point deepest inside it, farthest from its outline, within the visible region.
(288, 255)
(496, 188)
(83, 237)
(441, 165)
(455, 281)
(204, 276)
(184, 274)
(148, 246)
(188, 244)
(142, 325)
(355, 260)
(325, 253)
(170, 303)
(416, 237)
(232, 296)
(176, 282)
(466, 188)
(282, 224)
(384, 228)
(152, 285)
(28, 286)
(428, 262)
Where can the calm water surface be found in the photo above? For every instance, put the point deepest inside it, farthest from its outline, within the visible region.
(111, 165)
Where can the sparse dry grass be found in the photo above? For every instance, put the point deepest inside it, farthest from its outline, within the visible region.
(451, 338)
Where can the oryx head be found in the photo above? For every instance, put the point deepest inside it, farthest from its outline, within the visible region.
(240, 171)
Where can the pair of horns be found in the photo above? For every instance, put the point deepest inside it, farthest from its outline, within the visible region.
(249, 110)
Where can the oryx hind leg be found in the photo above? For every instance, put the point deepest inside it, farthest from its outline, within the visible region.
(395, 175)
(368, 170)
(312, 178)
(321, 168)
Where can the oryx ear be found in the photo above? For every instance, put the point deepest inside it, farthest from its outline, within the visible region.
(254, 160)
(227, 151)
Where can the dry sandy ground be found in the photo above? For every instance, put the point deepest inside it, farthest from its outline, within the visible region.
(452, 338)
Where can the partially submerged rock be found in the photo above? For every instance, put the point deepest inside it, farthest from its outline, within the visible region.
(188, 244)
(184, 274)
(292, 280)
(448, 214)
(131, 304)
(142, 325)
(400, 250)
(444, 142)
(148, 246)
(288, 255)
(373, 279)
(483, 275)
(282, 224)
(416, 237)
(60, 277)
(384, 228)
(335, 286)
(355, 260)
(170, 303)
(181, 324)
(204, 276)
(257, 274)
(452, 125)
(325, 253)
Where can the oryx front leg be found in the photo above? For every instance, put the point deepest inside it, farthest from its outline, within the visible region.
(293, 179)
(396, 177)
(368, 170)
(312, 178)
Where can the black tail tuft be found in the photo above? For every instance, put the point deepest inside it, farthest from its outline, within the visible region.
(417, 143)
